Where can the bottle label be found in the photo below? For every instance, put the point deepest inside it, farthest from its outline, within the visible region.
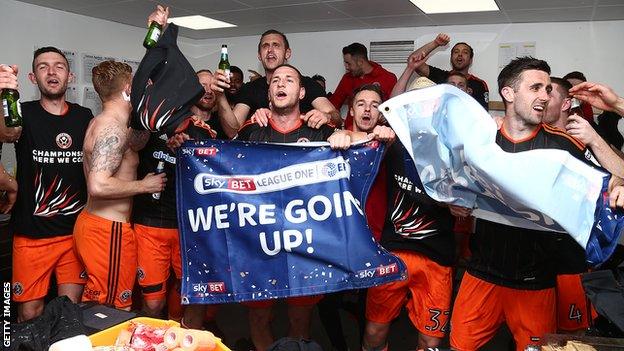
(155, 34)
(227, 73)
(5, 107)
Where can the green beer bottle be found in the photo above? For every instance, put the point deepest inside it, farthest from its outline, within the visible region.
(11, 107)
(224, 64)
(153, 33)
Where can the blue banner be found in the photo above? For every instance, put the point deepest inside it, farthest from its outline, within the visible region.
(451, 140)
(262, 221)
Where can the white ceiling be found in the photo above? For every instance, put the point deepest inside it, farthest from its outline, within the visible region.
(255, 16)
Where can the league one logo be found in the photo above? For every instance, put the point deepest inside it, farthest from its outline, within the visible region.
(330, 169)
(63, 140)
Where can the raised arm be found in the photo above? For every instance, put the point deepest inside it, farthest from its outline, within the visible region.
(160, 16)
(108, 151)
(441, 40)
(326, 109)
(579, 128)
(231, 119)
(415, 60)
(599, 96)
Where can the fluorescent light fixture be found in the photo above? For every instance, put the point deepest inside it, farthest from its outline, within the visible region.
(451, 6)
(199, 22)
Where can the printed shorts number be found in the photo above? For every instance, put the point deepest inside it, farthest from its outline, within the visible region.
(435, 314)
(575, 313)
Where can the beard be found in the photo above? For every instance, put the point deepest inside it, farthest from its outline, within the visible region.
(53, 95)
(463, 65)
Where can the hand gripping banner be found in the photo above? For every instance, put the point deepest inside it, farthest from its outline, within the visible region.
(262, 221)
(451, 140)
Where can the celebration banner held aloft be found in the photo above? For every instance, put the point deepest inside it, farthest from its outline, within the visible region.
(262, 221)
(451, 140)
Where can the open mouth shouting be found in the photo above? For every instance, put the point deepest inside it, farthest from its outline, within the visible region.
(281, 94)
(53, 83)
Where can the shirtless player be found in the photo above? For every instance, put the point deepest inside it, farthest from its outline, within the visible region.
(103, 236)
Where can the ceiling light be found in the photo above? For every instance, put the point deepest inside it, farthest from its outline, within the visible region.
(199, 22)
(450, 6)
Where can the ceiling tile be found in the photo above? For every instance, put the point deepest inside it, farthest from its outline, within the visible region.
(542, 4)
(551, 15)
(308, 12)
(203, 6)
(321, 26)
(223, 32)
(274, 3)
(130, 12)
(397, 21)
(69, 4)
(610, 2)
(469, 18)
(605, 13)
(250, 17)
(293, 16)
(371, 8)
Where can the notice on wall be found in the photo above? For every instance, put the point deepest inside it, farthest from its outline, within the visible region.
(72, 59)
(132, 63)
(71, 94)
(509, 51)
(92, 100)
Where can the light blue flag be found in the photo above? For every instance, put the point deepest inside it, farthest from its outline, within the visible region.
(451, 140)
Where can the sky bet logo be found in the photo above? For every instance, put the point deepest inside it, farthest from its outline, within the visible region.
(209, 182)
(206, 151)
(380, 271)
(203, 289)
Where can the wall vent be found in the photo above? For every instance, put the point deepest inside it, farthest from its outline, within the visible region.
(391, 51)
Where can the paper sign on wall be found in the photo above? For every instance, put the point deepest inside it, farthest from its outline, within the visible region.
(509, 51)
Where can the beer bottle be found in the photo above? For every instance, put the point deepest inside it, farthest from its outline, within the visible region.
(153, 33)
(224, 63)
(575, 107)
(159, 169)
(11, 107)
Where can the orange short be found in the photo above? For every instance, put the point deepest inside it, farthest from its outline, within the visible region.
(572, 303)
(481, 307)
(34, 260)
(430, 286)
(291, 301)
(158, 249)
(108, 251)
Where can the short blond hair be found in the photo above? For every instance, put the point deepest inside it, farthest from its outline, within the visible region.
(110, 77)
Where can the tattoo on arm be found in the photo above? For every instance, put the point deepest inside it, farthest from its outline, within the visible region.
(108, 150)
(138, 139)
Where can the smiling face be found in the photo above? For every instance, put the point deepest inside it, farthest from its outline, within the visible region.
(460, 57)
(236, 82)
(208, 101)
(365, 110)
(285, 88)
(51, 74)
(531, 96)
(273, 51)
